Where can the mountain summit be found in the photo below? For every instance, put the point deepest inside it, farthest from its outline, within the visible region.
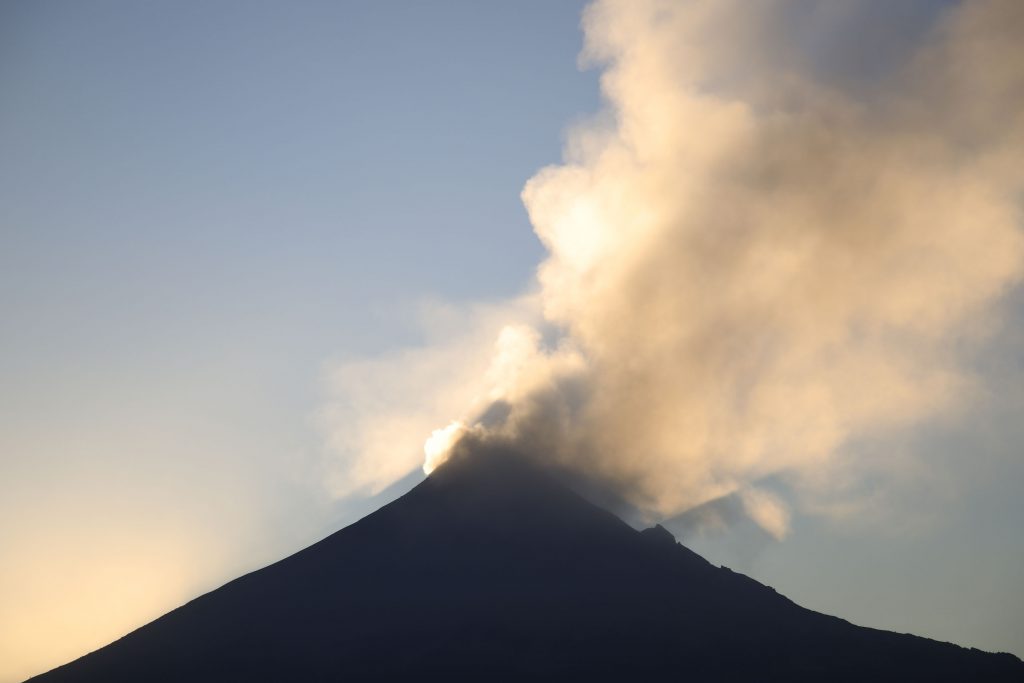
(492, 569)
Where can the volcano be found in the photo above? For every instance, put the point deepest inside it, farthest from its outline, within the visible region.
(492, 568)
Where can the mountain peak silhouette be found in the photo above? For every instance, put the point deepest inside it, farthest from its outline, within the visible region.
(491, 568)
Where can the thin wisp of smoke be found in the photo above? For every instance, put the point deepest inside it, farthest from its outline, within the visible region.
(752, 260)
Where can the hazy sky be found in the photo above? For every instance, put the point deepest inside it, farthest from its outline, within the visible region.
(206, 206)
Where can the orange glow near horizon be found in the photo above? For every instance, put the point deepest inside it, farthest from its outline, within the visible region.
(70, 593)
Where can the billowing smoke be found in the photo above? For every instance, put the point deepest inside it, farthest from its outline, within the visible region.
(758, 254)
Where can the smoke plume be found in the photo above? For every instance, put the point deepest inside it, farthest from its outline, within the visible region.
(757, 254)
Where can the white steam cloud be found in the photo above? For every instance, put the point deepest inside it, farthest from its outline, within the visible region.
(754, 258)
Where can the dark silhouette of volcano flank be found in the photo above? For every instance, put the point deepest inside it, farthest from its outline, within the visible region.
(490, 569)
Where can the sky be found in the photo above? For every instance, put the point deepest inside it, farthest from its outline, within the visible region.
(209, 212)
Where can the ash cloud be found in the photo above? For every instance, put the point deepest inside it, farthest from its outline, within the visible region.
(753, 260)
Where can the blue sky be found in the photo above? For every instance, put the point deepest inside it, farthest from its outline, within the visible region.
(204, 204)
(201, 205)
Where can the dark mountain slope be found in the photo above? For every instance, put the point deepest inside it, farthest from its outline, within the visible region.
(492, 569)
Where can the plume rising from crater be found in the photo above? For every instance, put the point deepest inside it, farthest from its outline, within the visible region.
(753, 260)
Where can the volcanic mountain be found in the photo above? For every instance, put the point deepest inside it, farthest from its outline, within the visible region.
(491, 569)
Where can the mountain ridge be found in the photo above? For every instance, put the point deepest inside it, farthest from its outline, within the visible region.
(492, 567)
